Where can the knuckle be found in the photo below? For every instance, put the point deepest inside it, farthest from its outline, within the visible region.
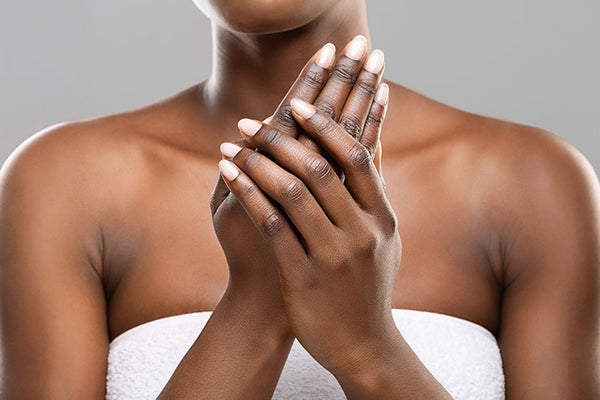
(387, 221)
(352, 127)
(344, 72)
(247, 159)
(368, 245)
(271, 138)
(293, 191)
(390, 223)
(327, 109)
(247, 191)
(375, 116)
(318, 168)
(360, 158)
(284, 117)
(272, 224)
(314, 79)
(323, 125)
(366, 87)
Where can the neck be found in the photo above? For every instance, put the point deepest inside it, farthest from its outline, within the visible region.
(252, 73)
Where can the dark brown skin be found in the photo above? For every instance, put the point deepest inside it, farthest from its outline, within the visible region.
(105, 224)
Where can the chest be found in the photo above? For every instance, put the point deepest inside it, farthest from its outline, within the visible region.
(163, 257)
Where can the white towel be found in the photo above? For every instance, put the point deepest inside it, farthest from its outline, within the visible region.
(463, 357)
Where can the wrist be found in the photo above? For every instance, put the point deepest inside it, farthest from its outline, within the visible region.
(260, 314)
(389, 369)
(369, 365)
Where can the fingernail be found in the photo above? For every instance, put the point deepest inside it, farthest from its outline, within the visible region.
(374, 62)
(383, 94)
(357, 48)
(230, 150)
(228, 170)
(249, 127)
(303, 109)
(326, 56)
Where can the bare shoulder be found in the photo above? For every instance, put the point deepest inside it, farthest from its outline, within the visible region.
(530, 168)
(56, 191)
(92, 159)
(531, 188)
(513, 157)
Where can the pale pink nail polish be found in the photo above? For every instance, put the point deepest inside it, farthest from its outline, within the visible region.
(357, 48)
(230, 150)
(326, 56)
(228, 170)
(302, 109)
(374, 63)
(249, 127)
(383, 94)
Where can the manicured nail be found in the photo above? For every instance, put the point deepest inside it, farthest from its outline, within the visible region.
(249, 127)
(357, 48)
(374, 62)
(326, 56)
(383, 94)
(228, 170)
(230, 150)
(303, 109)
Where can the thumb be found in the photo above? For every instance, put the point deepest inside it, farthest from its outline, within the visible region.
(218, 195)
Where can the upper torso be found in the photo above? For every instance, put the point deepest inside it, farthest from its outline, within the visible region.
(106, 225)
(160, 256)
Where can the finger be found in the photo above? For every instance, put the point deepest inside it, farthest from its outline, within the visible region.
(286, 189)
(345, 72)
(307, 87)
(268, 219)
(221, 191)
(355, 111)
(355, 159)
(372, 130)
(312, 168)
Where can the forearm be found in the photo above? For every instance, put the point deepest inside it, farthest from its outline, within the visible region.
(389, 370)
(239, 354)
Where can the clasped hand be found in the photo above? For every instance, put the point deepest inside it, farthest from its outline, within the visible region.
(316, 242)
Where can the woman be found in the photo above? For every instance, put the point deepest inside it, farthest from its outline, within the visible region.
(105, 226)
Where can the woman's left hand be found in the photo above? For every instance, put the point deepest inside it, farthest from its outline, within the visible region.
(336, 244)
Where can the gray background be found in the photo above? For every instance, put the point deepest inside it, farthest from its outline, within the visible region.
(535, 62)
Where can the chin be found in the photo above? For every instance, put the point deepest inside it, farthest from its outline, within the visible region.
(263, 16)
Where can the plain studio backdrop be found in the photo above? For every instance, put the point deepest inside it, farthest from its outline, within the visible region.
(535, 62)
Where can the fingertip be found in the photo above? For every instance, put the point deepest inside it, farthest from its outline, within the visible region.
(302, 109)
(383, 94)
(357, 47)
(229, 150)
(375, 62)
(229, 171)
(249, 127)
(326, 56)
